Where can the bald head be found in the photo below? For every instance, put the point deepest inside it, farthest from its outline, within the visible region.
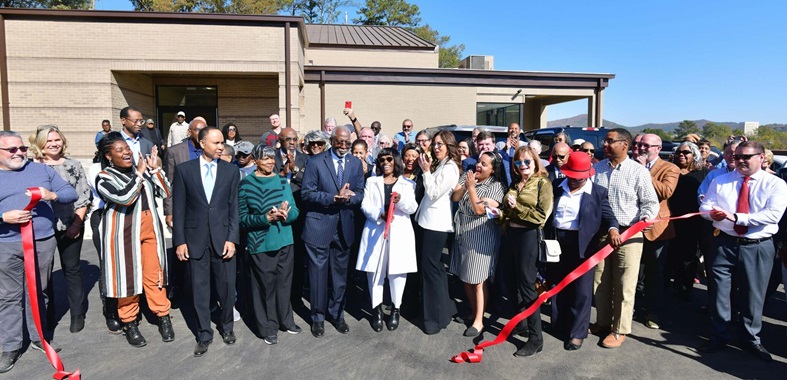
(650, 146)
(560, 153)
(288, 139)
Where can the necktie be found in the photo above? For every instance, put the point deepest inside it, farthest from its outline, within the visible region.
(743, 205)
(340, 171)
(208, 182)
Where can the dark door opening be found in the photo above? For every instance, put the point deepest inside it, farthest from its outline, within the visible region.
(192, 100)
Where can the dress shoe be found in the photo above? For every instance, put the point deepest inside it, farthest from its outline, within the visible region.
(133, 336)
(393, 320)
(573, 344)
(377, 319)
(318, 329)
(36, 345)
(760, 352)
(228, 338)
(711, 346)
(531, 348)
(114, 326)
(652, 321)
(111, 314)
(202, 348)
(271, 339)
(472, 331)
(341, 326)
(613, 340)
(294, 329)
(165, 329)
(77, 323)
(8, 359)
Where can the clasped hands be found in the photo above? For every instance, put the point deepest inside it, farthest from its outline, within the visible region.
(344, 194)
(278, 214)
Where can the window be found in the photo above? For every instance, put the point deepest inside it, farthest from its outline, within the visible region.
(501, 114)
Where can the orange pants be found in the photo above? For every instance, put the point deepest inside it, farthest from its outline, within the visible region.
(152, 276)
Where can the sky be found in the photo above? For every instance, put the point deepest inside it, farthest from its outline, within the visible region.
(724, 61)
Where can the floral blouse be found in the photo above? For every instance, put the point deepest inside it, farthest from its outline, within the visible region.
(71, 171)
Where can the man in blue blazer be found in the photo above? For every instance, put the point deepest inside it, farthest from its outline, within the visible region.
(205, 232)
(581, 217)
(332, 189)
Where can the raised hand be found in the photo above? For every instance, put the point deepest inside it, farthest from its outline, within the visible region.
(425, 163)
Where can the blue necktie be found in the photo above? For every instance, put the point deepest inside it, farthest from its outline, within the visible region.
(340, 171)
(208, 182)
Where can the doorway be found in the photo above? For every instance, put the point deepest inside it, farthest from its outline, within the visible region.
(192, 100)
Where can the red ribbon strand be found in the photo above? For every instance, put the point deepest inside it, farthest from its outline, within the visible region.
(476, 355)
(28, 244)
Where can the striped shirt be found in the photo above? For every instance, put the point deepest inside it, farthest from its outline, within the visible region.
(631, 192)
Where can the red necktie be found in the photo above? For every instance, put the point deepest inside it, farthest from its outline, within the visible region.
(743, 205)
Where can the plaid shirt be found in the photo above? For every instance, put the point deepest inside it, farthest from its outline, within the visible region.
(631, 192)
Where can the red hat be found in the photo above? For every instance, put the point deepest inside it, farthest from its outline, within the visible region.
(578, 166)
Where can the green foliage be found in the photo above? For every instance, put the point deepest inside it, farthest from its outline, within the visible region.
(713, 130)
(450, 55)
(660, 132)
(316, 11)
(47, 4)
(389, 12)
(209, 6)
(686, 127)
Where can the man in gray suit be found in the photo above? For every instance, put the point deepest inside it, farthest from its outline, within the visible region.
(132, 121)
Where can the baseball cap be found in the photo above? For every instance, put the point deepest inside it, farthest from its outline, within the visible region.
(244, 147)
(181, 113)
(578, 142)
(149, 121)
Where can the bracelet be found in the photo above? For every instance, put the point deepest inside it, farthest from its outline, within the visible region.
(354, 119)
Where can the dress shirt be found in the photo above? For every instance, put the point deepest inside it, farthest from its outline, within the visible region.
(631, 192)
(203, 170)
(567, 210)
(194, 152)
(558, 173)
(399, 139)
(766, 203)
(133, 143)
(335, 158)
(703, 189)
(649, 164)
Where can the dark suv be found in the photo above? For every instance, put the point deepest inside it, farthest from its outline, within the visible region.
(463, 132)
(547, 137)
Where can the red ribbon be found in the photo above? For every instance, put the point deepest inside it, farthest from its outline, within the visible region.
(28, 244)
(389, 216)
(475, 355)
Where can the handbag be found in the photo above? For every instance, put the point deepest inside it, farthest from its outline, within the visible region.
(548, 249)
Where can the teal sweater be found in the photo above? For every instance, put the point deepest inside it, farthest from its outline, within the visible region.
(257, 196)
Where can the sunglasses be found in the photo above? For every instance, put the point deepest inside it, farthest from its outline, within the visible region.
(15, 149)
(745, 157)
(290, 139)
(320, 143)
(242, 155)
(589, 150)
(523, 162)
(385, 159)
(646, 146)
(232, 129)
(559, 157)
(683, 152)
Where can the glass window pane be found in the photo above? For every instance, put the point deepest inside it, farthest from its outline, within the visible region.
(501, 114)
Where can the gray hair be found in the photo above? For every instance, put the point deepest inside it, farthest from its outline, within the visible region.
(536, 145)
(229, 150)
(263, 151)
(10, 134)
(695, 152)
(314, 136)
(330, 120)
(339, 127)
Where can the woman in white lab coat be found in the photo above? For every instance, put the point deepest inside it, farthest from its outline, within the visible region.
(392, 260)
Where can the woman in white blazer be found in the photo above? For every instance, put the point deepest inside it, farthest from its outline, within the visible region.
(434, 217)
(397, 258)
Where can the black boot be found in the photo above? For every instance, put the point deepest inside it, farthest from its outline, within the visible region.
(393, 321)
(133, 336)
(377, 318)
(111, 315)
(532, 347)
(165, 329)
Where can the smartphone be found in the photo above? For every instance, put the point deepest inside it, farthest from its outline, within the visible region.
(348, 104)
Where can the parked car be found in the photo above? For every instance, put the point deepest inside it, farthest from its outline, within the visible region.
(547, 137)
(462, 132)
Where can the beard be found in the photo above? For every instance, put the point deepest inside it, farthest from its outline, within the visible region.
(16, 162)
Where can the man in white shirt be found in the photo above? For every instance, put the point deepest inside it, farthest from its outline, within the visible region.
(179, 130)
(745, 206)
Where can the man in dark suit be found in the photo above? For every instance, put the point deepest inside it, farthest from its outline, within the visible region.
(132, 121)
(332, 188)
(582, 214)
(560, 154)
(205, 219)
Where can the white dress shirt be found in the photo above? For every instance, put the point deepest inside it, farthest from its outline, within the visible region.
(567, 210)
(203, 171)
(767, 202)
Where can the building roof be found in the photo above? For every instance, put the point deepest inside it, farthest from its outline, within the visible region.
(368, 36)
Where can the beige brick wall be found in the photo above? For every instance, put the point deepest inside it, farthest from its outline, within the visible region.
(371, 58)
(427, 106)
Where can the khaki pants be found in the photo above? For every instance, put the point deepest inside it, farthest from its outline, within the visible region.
(615, 285)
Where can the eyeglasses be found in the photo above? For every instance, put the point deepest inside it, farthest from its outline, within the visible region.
(338, 142)
(644, 145)
(138, 121)
(559, 157)
(589, 150)
(290, 139)
(683, 152)
(744, 157)
(523, 162)
(320, 143)
(231, 129)
(438, 145)
(610, 141)
(385, 159)
(421, 141)
(406, 126)
(15, 149)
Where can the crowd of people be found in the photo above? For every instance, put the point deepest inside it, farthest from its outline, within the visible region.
(257, 226)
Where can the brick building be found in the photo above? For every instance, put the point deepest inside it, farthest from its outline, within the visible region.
(76, 68)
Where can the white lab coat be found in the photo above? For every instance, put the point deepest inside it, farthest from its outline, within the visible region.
(401, 252)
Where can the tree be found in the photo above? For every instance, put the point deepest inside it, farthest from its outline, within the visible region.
(712, 130)
(660, 132)
(210, 6)
(316, 11)
(389, 12)
(47, 4)
(450, 55)
(686, 127)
